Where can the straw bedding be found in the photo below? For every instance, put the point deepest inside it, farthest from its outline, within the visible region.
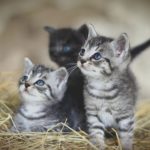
(58, 141)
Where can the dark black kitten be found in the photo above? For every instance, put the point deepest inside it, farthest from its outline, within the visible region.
(65, 43)
(63, 49)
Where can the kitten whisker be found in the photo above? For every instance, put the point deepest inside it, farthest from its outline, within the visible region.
(71, 64)
(75, 67)
(71, 68)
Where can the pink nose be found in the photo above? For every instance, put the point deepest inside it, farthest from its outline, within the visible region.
(27, 85)
(82, 61)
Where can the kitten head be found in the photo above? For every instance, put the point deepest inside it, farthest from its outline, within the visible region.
(101, 56)
(42, 84)
(65, 43)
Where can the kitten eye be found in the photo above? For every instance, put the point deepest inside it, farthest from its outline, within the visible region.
(24, 78)
(97, 56)
(82, 51)
(66, 49)
(40, 82)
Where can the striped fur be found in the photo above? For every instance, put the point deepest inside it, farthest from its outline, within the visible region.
(41, 91)
(109, 88)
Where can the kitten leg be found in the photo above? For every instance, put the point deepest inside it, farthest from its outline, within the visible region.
(18, 125)
(38, 129)
(126, 126)
(96, 130)
(18, 129)
(13, 129)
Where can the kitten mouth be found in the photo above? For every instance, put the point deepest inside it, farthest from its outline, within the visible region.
(81, 66)
(26, 91)
(84, 68)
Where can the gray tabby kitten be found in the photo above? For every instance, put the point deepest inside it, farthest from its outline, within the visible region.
(41, 90)
(109, 88)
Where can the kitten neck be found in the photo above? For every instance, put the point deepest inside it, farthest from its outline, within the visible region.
(99, 79)
(98, 84)
(34, 109)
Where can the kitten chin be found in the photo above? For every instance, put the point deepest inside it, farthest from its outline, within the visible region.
(89, 71)
(30, 94)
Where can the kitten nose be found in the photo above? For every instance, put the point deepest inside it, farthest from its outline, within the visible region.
(82, 61)
(27, 85)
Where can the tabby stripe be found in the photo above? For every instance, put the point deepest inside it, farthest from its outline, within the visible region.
(100, 120)
(50, 89)
(102, 97)
(131, 122)
(89, 114)
(122, 118)
(90, 109)
(96, 124)
(31, 118)
(111, 89)
(126, 129)
(106, 90)
(108, 61)
(97, 127)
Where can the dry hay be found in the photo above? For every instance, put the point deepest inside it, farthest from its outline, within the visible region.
(53, 140)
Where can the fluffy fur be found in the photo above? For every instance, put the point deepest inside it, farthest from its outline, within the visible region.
(109, 88)
(41, 91)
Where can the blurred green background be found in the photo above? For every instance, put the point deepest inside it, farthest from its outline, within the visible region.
(22, 34)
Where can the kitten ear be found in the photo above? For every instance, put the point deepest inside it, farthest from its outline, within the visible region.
(49, 29)
(84, 31)
(61, 76)
(92, 32)
(27, 64)
(121, 45)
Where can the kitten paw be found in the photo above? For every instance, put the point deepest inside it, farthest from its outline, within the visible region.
(98, 143)
(38, 129)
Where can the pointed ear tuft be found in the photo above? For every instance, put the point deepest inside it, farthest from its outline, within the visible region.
(92, 32)
(84, 31)
(49, 29)
(61, 77)
(28, 64)
(121, 45)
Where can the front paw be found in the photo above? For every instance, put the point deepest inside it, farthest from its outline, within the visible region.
(13, 129)
(38, 129)
(98, 142)
(17, 129)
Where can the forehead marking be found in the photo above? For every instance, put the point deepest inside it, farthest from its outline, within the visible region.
(90, 50)
(38, 72)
